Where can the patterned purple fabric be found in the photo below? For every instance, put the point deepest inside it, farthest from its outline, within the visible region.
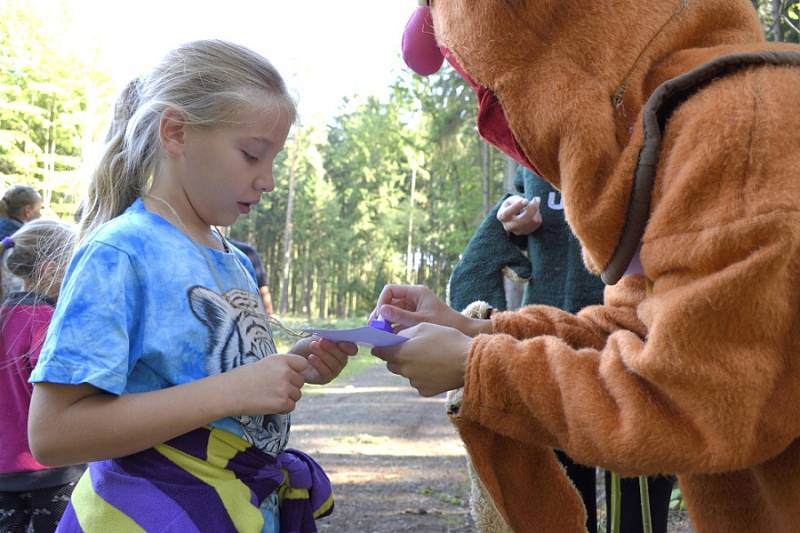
(162, 495)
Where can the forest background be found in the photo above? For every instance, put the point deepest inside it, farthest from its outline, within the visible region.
(389, 190)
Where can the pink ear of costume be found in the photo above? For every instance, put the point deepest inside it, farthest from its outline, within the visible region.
(423, 56)
(420, 51)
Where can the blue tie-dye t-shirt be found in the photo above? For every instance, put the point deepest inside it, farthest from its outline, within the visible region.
(143, 307)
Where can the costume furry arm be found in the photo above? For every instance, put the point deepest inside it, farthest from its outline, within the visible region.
(587, 329)
(707, 391)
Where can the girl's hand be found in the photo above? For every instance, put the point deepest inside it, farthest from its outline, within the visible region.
(71, 424)
(269, 386)
(434, 359)
(519, 216)
(409, 305)
(326, 358)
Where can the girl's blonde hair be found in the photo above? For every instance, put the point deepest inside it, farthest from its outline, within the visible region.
(36, 244)
(210, 82)
(16, 199)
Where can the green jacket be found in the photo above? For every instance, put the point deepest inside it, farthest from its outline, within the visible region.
(553, 266)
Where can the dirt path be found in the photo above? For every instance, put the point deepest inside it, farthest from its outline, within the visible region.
(395, 462)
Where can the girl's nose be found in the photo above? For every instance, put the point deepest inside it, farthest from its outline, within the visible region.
(265, 182)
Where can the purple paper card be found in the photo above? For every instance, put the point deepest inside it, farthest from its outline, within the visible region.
(366, 336)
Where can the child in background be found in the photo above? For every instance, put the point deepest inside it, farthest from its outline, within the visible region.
(159, 366)
(32, 496)
(20, 204)
(262, 280)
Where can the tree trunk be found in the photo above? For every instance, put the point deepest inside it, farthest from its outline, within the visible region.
(287, 232)
(777, 15)
(276, 272)
(510, 174)
(409, 249)
(49, 159)
(485, 175)
(269, 264)
(322, 284)
(347, 289)
(339, 296)
(295, 283)
(421, 271)
(331, 294)
(308, 285)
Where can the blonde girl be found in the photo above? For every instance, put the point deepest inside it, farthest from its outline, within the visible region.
(159, 366)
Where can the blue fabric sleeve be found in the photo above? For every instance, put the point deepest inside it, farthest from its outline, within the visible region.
(98, 313)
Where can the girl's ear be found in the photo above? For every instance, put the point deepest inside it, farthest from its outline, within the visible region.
(172, 131)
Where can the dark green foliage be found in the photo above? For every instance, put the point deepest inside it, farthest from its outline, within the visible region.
(48, 104)
(389, 192)
(780, 18)
(354, 202)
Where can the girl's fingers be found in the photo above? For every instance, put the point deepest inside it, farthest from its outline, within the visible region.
(329, 348)
(335, 361)
(322, 366)
(348, 348)
(329, 354)
(340, 359)
(297, 380)
(341, 350)
(334, 358)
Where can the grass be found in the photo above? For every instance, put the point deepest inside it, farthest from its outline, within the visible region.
(357, 364)
(442, 496)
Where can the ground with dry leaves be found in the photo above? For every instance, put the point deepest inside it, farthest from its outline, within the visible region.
(395, 462)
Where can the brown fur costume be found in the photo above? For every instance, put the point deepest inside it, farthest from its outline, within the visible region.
(695, 368)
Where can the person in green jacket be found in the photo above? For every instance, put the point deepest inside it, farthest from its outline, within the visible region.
(526, 237)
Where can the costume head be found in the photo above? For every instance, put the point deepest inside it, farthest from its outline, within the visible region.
(561, 84)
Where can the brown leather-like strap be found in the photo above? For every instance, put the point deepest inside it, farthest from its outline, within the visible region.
(660, 106)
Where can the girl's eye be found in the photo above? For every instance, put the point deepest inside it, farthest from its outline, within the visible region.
(249, 158)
